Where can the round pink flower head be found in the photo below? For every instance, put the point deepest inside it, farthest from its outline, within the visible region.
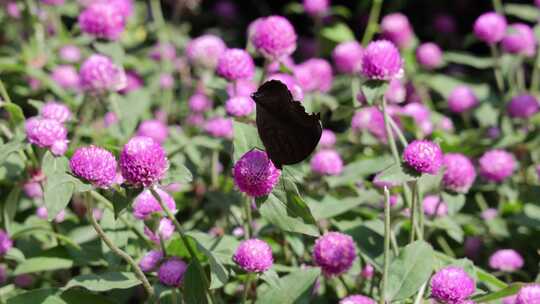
(239, 106)
(171, 272)
(150, 260)
(204, 51)
(472, 246)
(334, 252)
(53, 2)
(452, 285)
(490, 27)
(506, 260)
(164, 231)
(328, 139)
(145, 204)
(44, 132)
(154, 129)
(357, 299)
(166, 81)
(433, 206)
(423, 156)
(5, 242)
(315, 74)
(497, 165)
(347, 57)
(199, 103)
(396, 28)
(220, 127)
(370, 119)
(242, 87)
(461, 99)
(291, 83)
(95, 165)
(33, 189)
(327, 162)
(255, 174)
(42, 213)
(66, 77)
(102, 20)
(24, 280)
(519, 39)
(70, 53)
(316, 7)
(382, 61)
(163, 51)
(523, 106)
(13, 10)
(99, 74)
(133, 82)
(489, 214)
(396, 91)
(529, 294)
(56, 111)
(253, 255)
(429, 55)
(459, 174)
(235, 64)
(509, 300)
(143, 161)
(274, 37)
(367, 272)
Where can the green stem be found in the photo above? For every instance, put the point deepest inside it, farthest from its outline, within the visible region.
(419, 295)
(387, 232)
(413, 214)
(247, 285)
(497, 5)
(398, 131)
(248, 220)
(157, 14)
(3, 93)
(174, 296)
(389, 133)
(214, 168)
(420, 212)
(535, 79)
(373, 21)
(498, 74)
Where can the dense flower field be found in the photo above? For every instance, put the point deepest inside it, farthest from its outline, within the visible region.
(133, 169)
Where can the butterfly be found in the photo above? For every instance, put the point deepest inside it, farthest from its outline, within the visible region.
(288, 133)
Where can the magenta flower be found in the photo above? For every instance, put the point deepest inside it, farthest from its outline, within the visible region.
(133, 82)
(171, 272)
(56, 111)
(429, 55)
(274, 37)
(291, 83)
(519, 39)
(347, 57)
(45, 133)
(523, 106)
(327, 162)
(143, 161)
(242, 87)
(239, 106)
(497, 165)
(315, 74)
(164, 231)
(328, 139)
(32, 189)
(99, 74)
(396, 91)
(370, 119)
(102, 20)
(154, 129)
(255, 174)
(253, 255)
(382, 61)
(423, 156)
(199, 103)
(70, 53)
(334, 252)
(506, 260)
(163, 51)
(166, 81)
(529, 294)
(95, 165)
(145, 204)
(52, 2)
(204, 51)
(490, 27)
(5, 242)
(220, 127)
(66, 77)
(316, 7)
(235, 64)
(459, 174)
(433, 206)
(396, 28)
(367, 272)
(150, 260)
(461, 99)
(452, 285)
(357, 299)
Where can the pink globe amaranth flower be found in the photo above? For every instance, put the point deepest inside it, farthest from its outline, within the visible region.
(99, 74)
(328, 139)
(199, 103)
(163, 51)
(133, 82)
(204, 51)
(255, 174)
(429, 55)
(490, 27)
(13, 10)
(314, 75)
(125, 7)
(5, 242)
(239, 106)
(44, 132)
(59, 147)
(523, 106)
(274, 37)
(445, 124)
(166, 81)
(66, 77)
(497, 165)
(253, 255)
(70, 53)
(110, 119)
(220, 127)
(235, 64)
(423, 156)
(275, 66)
(396, 28)
(154, 129)
(357, 299)
(24, 280)
(445, 24)
(32, 189)
(56, 111)
(102, 20)
(419, 112)
(164, 231)
(509, 300)
(242, 87)
(145, 204)
(347, 57)
(367, 272)
(52, 2)
(382, 61)
(95, 165)
(461, 99)
(433, 206)
(489, 214)
(396, 91)
(143, 161)
(370, 119)
(519, 39)
(529, 294)
(316, 7)
(506, 260)
(291, 83)
(171, 272)
(150, 260)
(472, 246)
(327, 162)
(459, 174)
(196, 120)
(452, 285)
(334, 252)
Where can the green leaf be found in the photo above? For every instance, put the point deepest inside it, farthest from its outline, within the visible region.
(84, 297)
(359, 169)
(500, 294)
(15, 112)
(454, 201)
(369, 235)
(40, 264)
(374, 90)
(338, 32)
(113, 50)
(486, 115)
(194, 286)
(398, 173)
(9, 207)
(43, 296)
(523, 11)
(59, 189)
(104, 282)
(448, 225)
(330, 206)
(246, 138)
(469, 60)
(8, 148)
(54, 165)
(444, 85)
(292, 288)
(409, 271)
(178, 174)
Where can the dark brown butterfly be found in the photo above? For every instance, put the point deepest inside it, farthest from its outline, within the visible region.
(288, 133)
